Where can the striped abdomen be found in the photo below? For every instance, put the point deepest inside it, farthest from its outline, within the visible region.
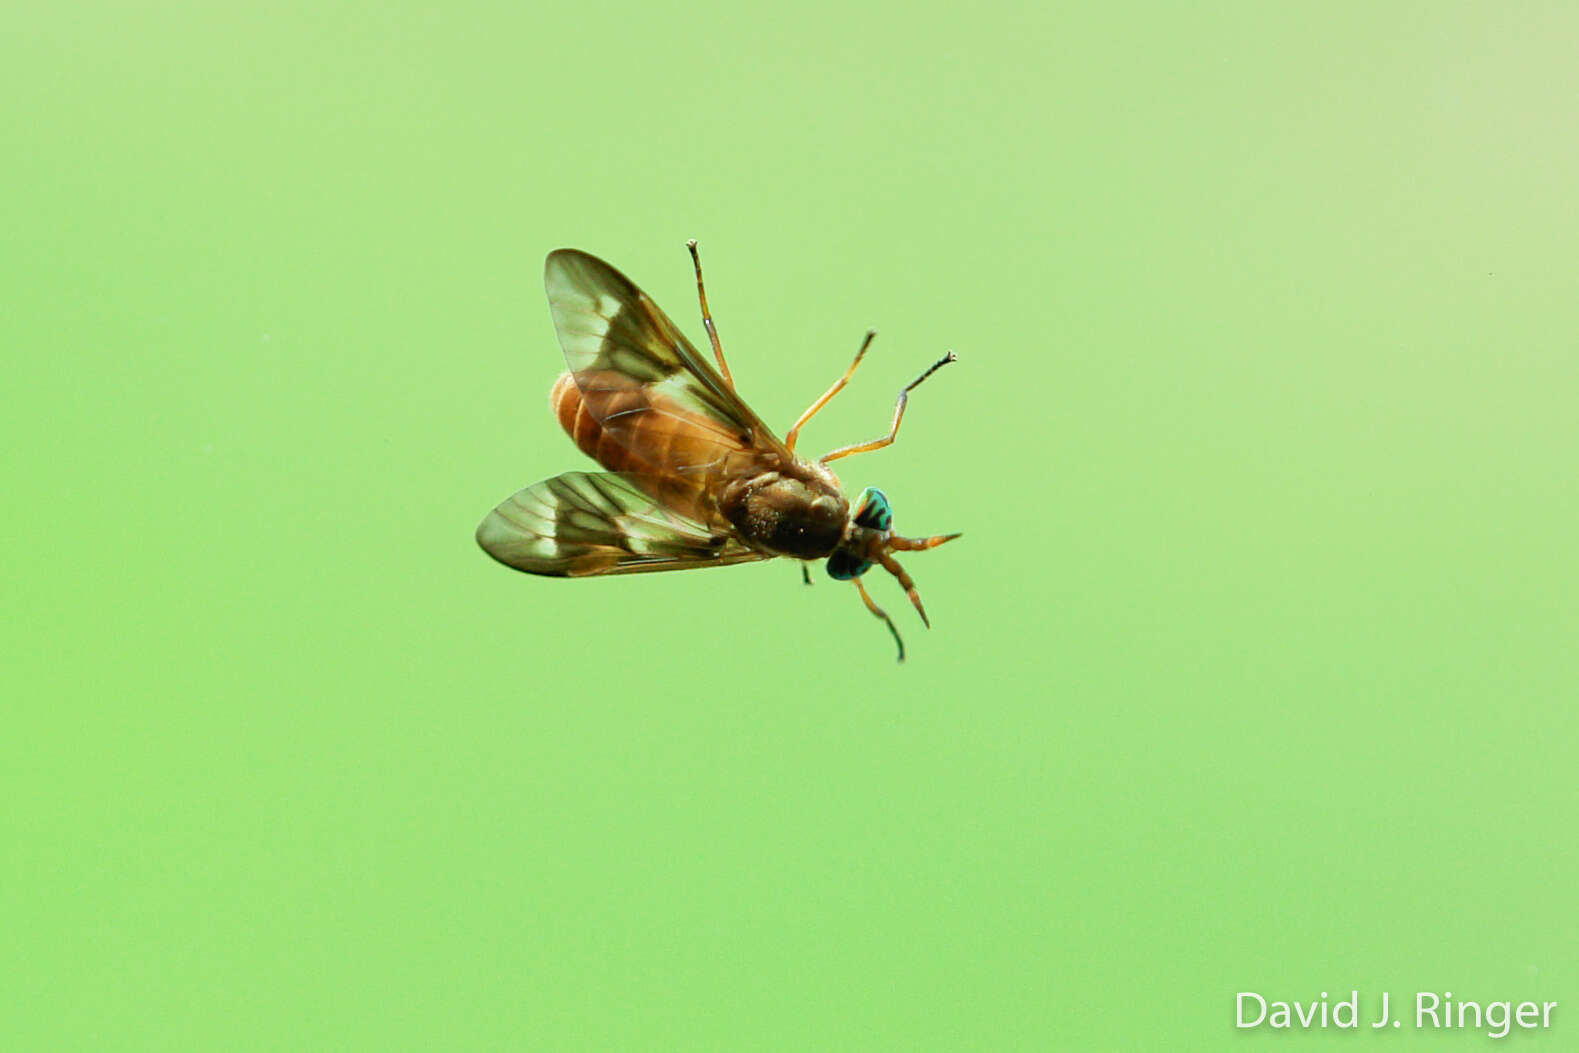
(679, 456)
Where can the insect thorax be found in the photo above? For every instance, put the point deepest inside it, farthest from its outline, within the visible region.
(787, 516)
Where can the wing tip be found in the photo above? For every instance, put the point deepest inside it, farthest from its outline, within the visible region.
(573, 269)
(559, 260)
(505, 543)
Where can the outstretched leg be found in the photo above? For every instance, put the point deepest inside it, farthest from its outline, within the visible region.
(838, 385)
(875, 609)
(891, 565)
(919, 544)
(707, 317)
(899, 412)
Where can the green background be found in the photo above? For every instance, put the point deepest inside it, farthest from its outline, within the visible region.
(1253, 671)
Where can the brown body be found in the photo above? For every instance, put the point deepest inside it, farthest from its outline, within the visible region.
(686, 462)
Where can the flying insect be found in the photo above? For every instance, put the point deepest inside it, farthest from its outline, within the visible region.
(694, 478)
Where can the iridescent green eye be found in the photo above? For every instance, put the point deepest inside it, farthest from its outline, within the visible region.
(872, 511)
(842, 566)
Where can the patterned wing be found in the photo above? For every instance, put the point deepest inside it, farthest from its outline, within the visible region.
(615, 338)
(580, 524)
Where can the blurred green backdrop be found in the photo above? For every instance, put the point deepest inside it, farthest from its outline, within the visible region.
(1254, 671)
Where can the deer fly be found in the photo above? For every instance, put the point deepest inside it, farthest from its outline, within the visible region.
(695, 479)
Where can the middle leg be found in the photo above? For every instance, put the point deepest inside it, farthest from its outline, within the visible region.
(827, 396)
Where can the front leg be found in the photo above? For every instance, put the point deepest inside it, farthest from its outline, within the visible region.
(899, 413)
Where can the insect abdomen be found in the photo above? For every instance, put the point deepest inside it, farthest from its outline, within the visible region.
(678, 457)
(583, 428)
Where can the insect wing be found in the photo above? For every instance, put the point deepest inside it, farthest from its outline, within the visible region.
(615, 337)
(582, 523)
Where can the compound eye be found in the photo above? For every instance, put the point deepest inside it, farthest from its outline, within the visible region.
(872, 511)
(842, 566)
